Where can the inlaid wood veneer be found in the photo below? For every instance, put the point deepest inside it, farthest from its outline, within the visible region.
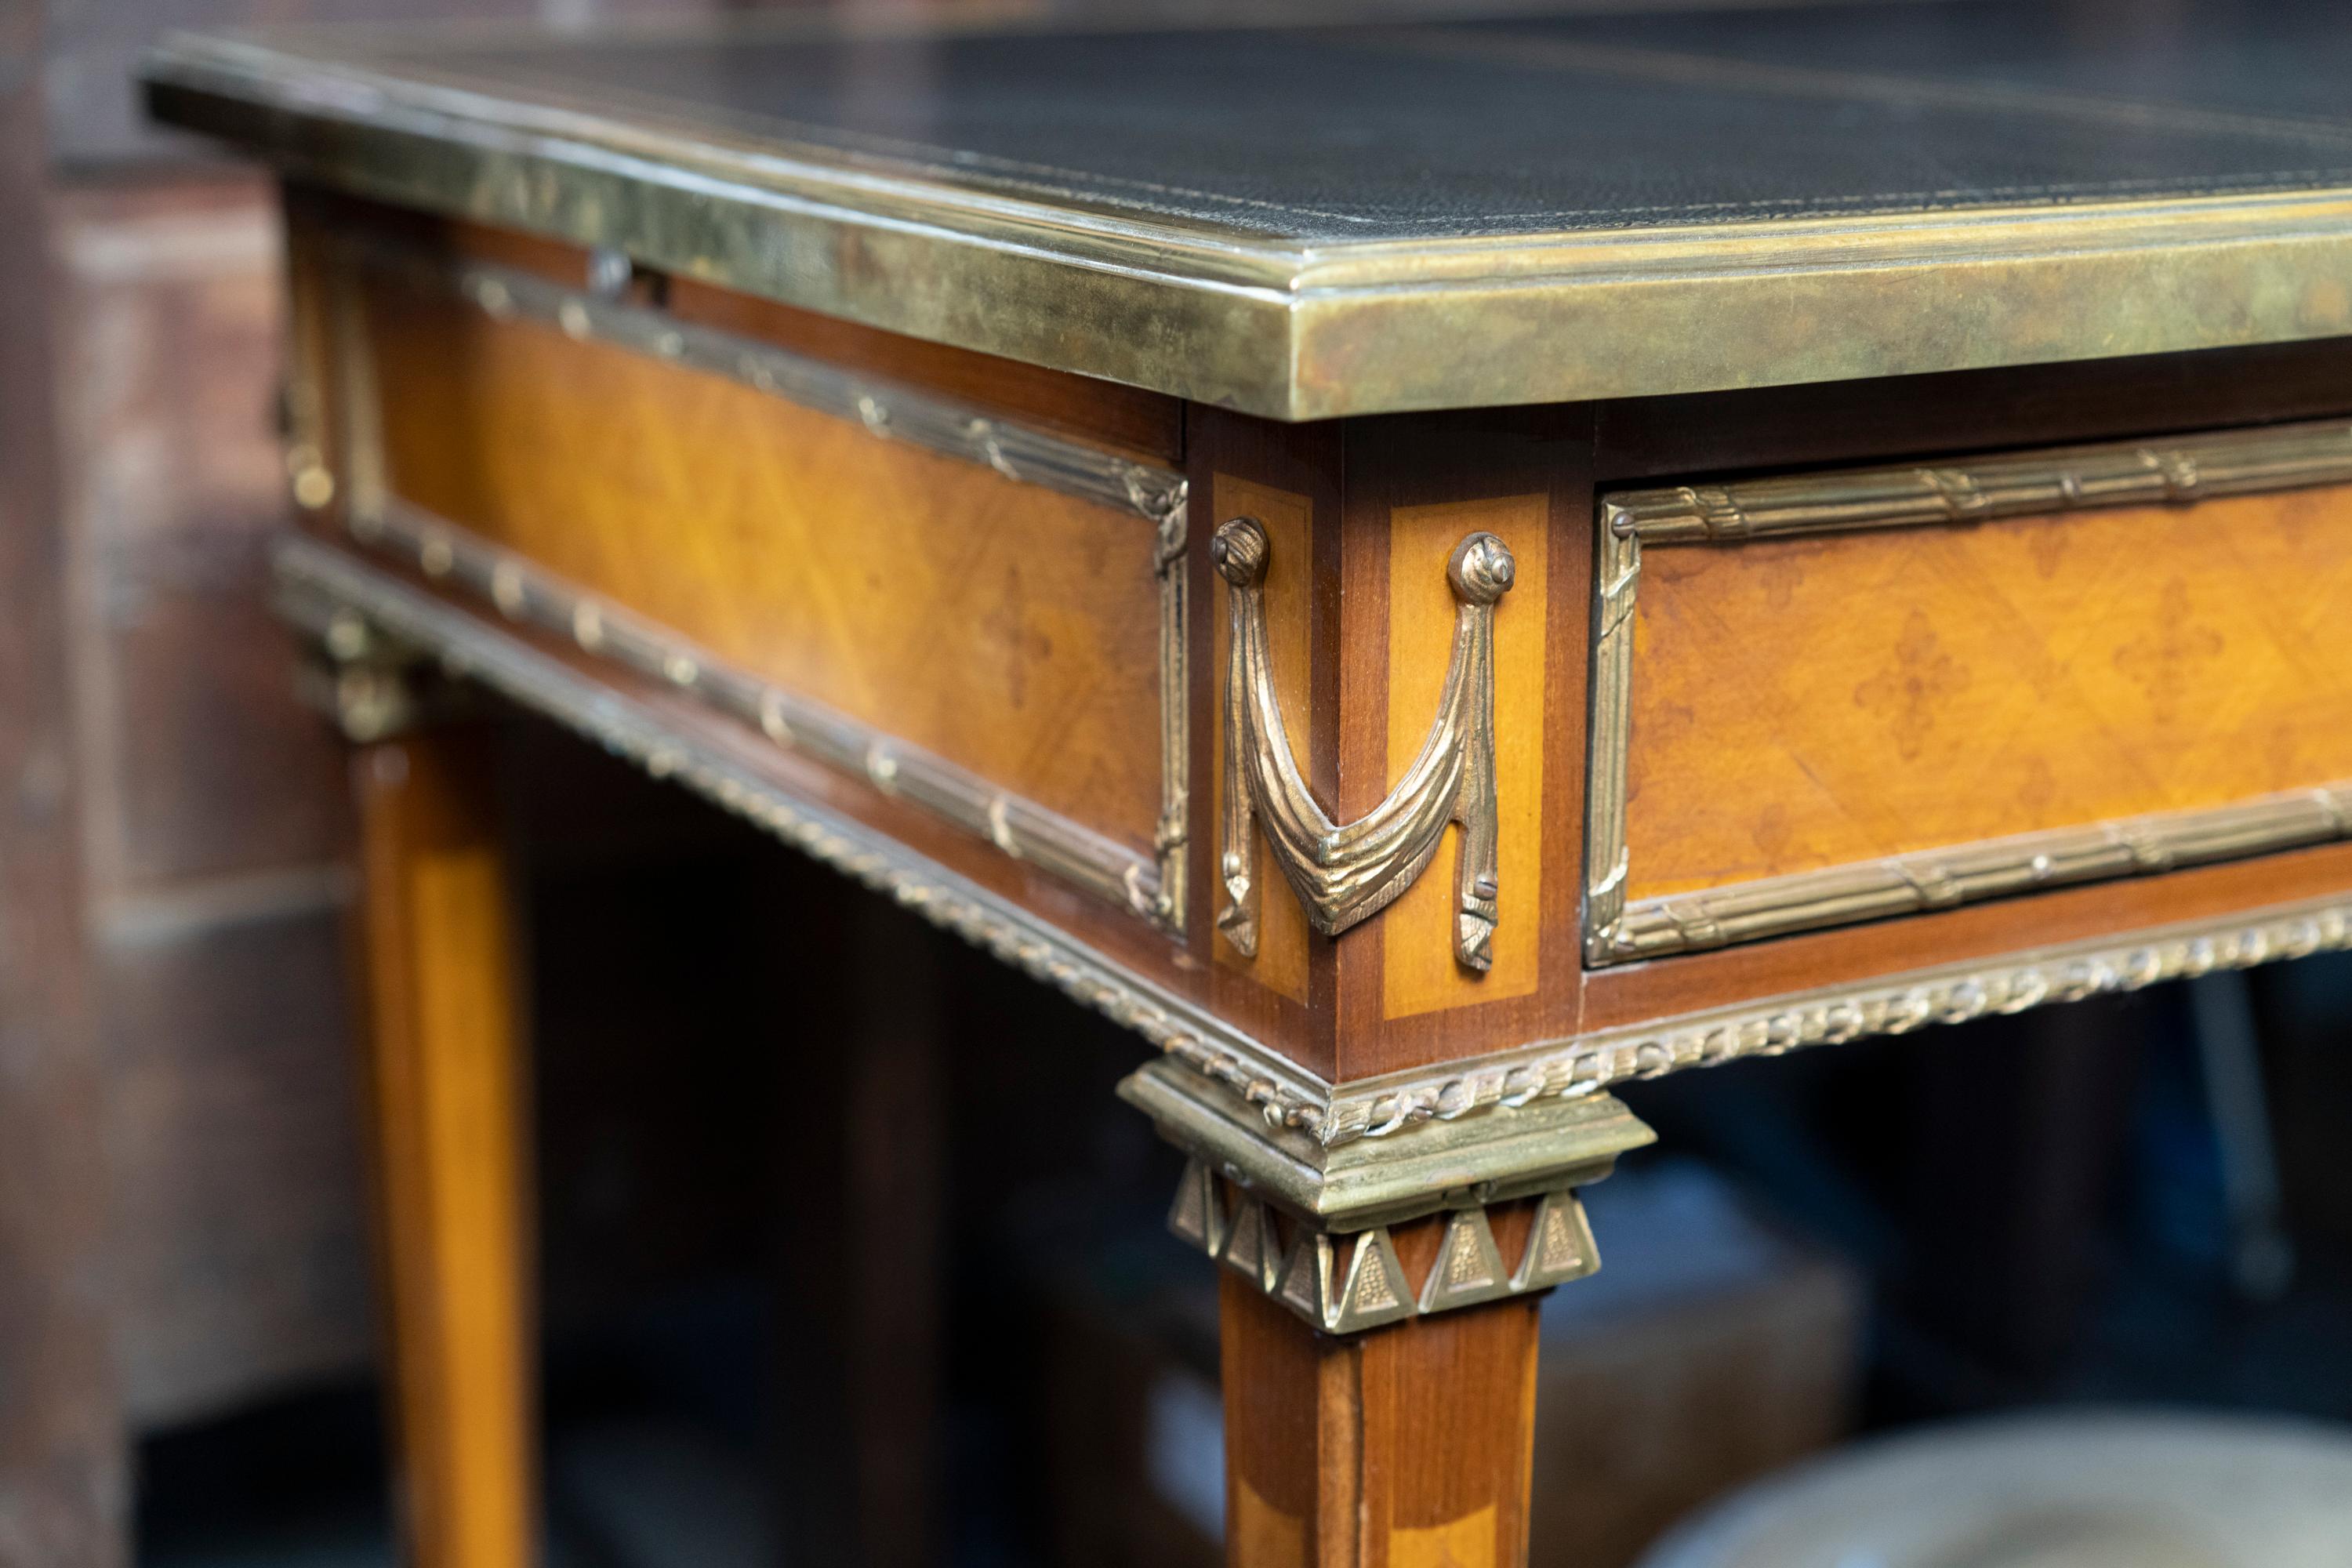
(1010, 629)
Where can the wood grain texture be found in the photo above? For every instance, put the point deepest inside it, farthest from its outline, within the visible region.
(216, 823)
(1418, 970)
(200, 762)
(1292, 472)
(1003, 626)
(446, 1054)
(1406, 1448)
(63, 1479)
(1409, 482)
(862, 1213)
(1802, 703)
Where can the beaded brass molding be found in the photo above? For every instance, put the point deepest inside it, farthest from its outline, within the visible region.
(1346, 873)
(1153, 887)
(2178, 471)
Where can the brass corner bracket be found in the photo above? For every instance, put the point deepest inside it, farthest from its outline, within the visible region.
(1344, 873)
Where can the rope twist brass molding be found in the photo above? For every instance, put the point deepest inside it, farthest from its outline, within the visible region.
(1896, 1006)
(318, 584)
(1344, 873)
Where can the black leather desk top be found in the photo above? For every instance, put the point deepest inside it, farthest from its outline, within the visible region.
(1392, 157)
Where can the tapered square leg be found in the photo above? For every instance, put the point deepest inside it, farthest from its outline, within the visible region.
(443, 1040)
(1407, 1446)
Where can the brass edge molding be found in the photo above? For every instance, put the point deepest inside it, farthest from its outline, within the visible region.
(530, 594)
(1344, 873)
(1284, 331)
(1154, 889)
(1949, 993)
(1617, 566)
(1171, 838)
(316, 583)
(1942, 878)
(2176, 472)
(888, 409)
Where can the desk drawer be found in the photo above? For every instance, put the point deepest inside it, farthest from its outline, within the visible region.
(1843, 696)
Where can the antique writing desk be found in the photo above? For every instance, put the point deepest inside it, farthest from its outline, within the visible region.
(1427, 570)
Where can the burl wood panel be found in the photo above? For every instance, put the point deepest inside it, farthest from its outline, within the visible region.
(1418, 970)
(1803, 703)
(1003, 627)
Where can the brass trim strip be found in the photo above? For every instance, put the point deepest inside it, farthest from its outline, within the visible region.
(1894, 1004)
(318, 584)
(888, 409)
(1941, 878)
(1154, 888)
(1617, 574)
(530, 594)
(1281, 329)
(2177, 471)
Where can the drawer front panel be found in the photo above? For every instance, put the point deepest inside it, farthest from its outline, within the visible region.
(1828, 715)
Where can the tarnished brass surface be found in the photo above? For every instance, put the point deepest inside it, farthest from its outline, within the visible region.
(1344, 873)
(1283, 309)
(1559, 1142)
(1350, 1284)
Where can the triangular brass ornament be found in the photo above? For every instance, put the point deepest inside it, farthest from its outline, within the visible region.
(1559, 1244)
(1305, 1286)
(1251, 1246)
(1198, 1214)
(1375, 1291)
(1469, 1267)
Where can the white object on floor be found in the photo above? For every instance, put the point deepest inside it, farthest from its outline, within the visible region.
(2093, 1490)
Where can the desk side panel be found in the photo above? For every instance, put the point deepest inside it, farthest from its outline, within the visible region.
(1011, 630)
